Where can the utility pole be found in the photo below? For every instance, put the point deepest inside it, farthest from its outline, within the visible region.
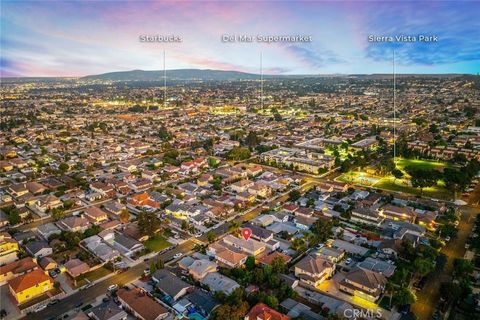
(394, 113)
(164, 82)
(261, 79)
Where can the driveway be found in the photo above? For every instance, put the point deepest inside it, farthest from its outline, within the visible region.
(64, 283)
(8, 303)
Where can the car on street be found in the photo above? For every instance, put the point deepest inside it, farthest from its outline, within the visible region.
(40, 308)
(112, 287)
(177, 255)
(53, 302)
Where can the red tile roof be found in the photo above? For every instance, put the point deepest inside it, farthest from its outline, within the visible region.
(262, 312)
(28, 280)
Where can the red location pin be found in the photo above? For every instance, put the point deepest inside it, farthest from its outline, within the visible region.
(246, 233)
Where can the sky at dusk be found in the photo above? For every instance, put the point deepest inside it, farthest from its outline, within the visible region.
(69, 38)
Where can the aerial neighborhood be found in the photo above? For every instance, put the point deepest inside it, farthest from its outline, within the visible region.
(115, 204)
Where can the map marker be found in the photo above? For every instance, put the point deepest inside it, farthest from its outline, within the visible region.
(246, 233)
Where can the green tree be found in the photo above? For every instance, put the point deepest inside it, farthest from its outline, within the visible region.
(63, 167)
(278, 265)
(211, 236)
(422, 267)
(322, 230)
(403, 296)
(250, 263)
(153, 267)
(57, 214)
(239, 153)
(397, 174)
(252, 139)
(160, 264)
(462, 267)
(294, 195)
(148, 223)
(14, 217)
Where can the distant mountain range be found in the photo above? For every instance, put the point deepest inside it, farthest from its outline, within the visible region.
(218, 75)
(221, 75)
(176, 74)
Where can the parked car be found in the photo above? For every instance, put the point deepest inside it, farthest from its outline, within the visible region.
(52, 302)
(113, 287)
(40, 308)
(447, 238)
(348, 261)
(177, 255)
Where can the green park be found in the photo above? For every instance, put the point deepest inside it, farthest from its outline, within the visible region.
(399, 179)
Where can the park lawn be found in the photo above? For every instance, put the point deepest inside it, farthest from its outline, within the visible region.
(389, 183)
(402, 163)
(157, 243)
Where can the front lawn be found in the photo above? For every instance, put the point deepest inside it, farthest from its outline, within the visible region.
(92, 276)
(157, 243)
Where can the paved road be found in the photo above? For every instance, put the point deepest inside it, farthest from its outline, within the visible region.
(90, 294)
(428, 297)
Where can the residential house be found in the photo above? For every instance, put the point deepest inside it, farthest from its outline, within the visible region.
(35, 187)
(218, 282)
(107, 311)
(76, 267)
(366, 284)
(16, 268)
(170, 284)
(203, 301)
(268, 259)
(47, 263)
(95, 215)
(398, 213)
(143, 307)
(126, 245)
(241, 186)
(251, 247)
(226, 256)
(8, 248)
(74, 224)
(39, 249)
(48, 229)
(332, 254)
(201, 267)
(100, 249)
(30, 285)
(114, 207)
(263, 312)
(313, 270)
(48, 202)
(367, 216)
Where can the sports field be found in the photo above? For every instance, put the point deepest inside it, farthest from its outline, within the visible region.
(388, 182)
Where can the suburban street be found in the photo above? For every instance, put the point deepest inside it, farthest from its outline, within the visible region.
(428, 297)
